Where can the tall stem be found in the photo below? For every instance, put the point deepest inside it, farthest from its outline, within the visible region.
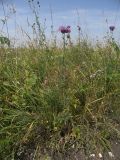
(79, 37)
(64, 49)
(5, 18)
(63, 70)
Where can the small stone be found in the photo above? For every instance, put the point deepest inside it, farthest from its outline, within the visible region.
(73, 146)
(92, 155)
(111, 154)
(100, 155)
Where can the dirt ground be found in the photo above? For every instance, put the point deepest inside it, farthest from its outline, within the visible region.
(113, 154)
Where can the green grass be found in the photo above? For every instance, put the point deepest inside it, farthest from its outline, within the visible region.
(41, 99)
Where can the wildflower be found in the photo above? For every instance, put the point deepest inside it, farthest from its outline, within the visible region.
(112, 28)
(79, 28)
(64, 29)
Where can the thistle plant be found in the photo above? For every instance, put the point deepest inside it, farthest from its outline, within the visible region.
(111, 28)
(57, 100)
(113, 43)
(64, 30)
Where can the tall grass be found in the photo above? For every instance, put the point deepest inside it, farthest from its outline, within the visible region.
(32, 102)
(50, 106)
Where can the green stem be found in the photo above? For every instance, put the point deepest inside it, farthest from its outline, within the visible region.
(63, 70)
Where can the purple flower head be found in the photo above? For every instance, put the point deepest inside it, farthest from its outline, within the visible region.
(112, 28)
(79, 28)
(64, 29)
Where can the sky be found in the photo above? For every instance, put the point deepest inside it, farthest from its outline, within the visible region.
(93, 16)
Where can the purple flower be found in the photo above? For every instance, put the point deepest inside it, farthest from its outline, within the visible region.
(79, 28)
(64, 29)
(112, 28)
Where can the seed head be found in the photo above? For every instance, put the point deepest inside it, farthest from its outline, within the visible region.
(112, 28)
(79, 28)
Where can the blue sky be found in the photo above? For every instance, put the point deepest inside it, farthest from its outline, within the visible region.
(92, 16)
